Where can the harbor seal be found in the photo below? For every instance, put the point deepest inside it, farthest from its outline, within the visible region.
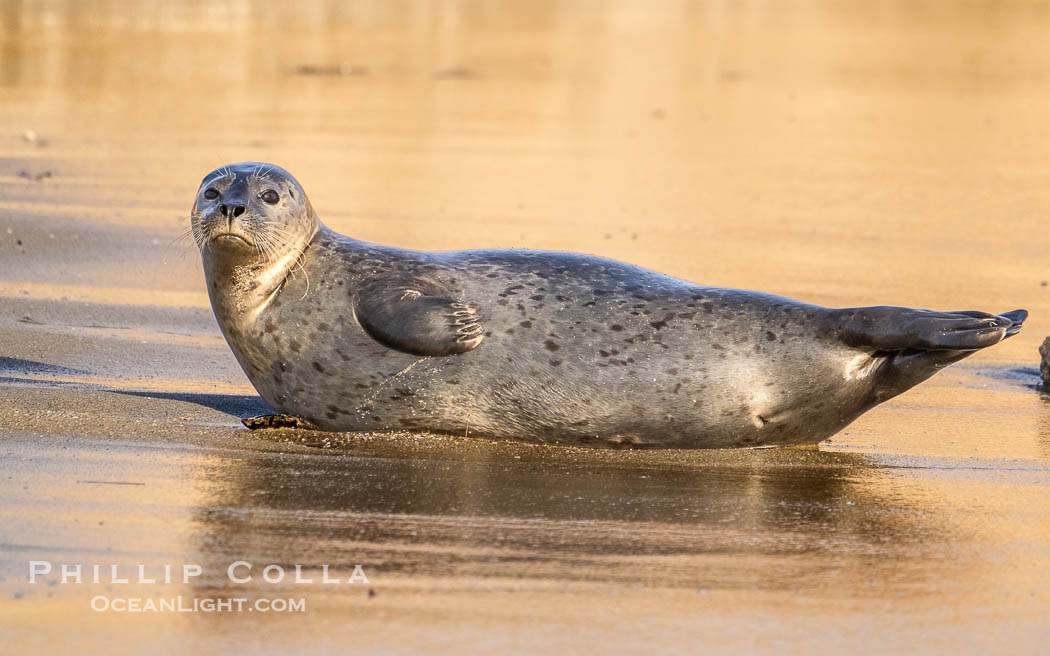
(343, 335)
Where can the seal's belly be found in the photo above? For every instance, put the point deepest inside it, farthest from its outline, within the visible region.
(688, 395)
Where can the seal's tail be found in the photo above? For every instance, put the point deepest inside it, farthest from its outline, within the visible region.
(916, 344)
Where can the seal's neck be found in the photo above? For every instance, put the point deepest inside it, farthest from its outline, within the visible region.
(242, 282)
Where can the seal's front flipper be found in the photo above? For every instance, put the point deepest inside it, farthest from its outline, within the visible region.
(894, 329)
(275, 421)
(419, 319)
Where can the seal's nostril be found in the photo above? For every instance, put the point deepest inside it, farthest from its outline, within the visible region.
(232, 211)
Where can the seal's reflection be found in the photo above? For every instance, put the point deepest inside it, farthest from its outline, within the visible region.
(781, 519)
(1044, 420)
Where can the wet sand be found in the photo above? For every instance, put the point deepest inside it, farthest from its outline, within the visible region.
(842, 153)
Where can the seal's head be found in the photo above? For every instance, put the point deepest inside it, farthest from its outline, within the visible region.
(252, 210)
(253, 224)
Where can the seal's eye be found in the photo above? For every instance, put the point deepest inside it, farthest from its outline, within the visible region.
(270, 196)
(210, 194)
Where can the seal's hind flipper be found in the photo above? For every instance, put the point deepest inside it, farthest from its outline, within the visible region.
(1016, 316)
(913, 345)
(894, 328)
(419, 319)
(275, 421)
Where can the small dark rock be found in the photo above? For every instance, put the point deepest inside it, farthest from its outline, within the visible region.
(35, 177)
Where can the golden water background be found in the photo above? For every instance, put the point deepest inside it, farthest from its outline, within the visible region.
(839, 152)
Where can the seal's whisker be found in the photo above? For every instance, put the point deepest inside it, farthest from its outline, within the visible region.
(270, 241)
(177, 241)
(272, 225)
(299, 263)
(264, 244)
(182, 235)
(199, 235)
(273, 242)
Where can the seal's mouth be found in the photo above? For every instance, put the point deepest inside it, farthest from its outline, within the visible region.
(229, 238)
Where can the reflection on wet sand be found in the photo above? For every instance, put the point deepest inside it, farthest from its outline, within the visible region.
(729, 529)
(476, 520)
(699, 523)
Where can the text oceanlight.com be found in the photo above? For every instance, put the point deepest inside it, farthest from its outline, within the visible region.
(102, 604)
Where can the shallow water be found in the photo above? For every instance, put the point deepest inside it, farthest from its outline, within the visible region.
(842, 153)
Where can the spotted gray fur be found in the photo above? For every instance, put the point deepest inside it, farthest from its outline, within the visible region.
(540, 346)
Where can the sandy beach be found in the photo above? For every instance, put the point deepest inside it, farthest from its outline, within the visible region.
(841, 153)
